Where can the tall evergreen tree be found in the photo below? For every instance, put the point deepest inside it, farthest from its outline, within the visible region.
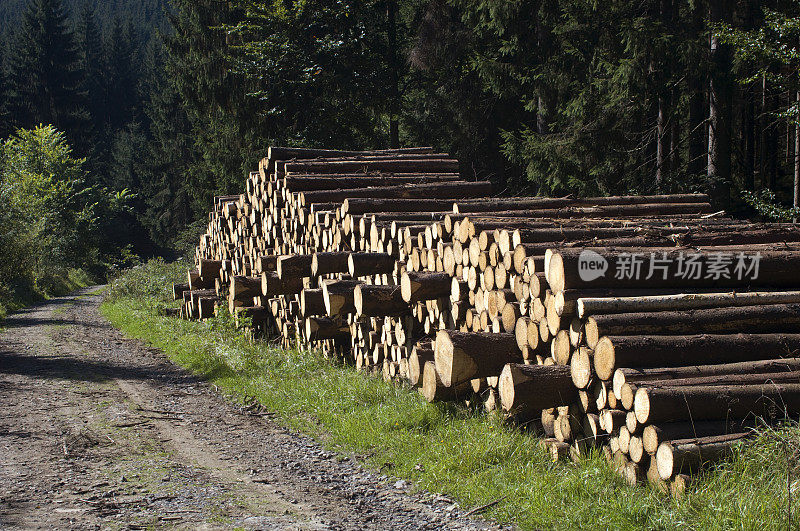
(120, 78)
(227, 130)
(170, 154)
(90, 57)
(46, 81)
(6, 125)
(91, 54)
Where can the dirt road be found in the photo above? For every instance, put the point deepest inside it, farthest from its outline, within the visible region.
(97, 431)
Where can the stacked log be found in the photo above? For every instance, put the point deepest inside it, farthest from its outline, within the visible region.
(677, 372)
(390, 261)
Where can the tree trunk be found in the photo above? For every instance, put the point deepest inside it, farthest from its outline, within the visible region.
(653, 435)
(633, 376)
(327, 263)
(745, 319)
(272, 285)
(437, 190)
(462, 356)
(339, 296)
(601, 305)
(417, 286)
(363, 264)
(719, 116)
(689, 454)
(712, 402)
(312, 182)
(370, 300)
(535, 386)
(669, 268)
(312, 302)
(613, 352)
(294, 266)
(389, 166)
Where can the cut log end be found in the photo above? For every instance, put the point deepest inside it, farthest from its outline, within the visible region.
(604, 359)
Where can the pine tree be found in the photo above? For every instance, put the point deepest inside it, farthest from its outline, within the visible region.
(91, 53)
(90, 56)
(227, 131)
(45, 74)
(6, 125)
(167, 185)
(120, 79)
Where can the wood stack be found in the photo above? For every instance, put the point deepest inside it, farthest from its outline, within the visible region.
(389, 260)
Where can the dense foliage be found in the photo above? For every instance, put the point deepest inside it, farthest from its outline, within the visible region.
(177, 100)
(51, 218)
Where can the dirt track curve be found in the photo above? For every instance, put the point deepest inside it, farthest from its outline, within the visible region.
(98, 431)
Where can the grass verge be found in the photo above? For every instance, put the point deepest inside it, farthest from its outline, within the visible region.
(466, 454)
(18, 297)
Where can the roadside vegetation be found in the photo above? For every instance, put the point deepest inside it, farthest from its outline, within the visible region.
(56, 225)
(464, 453)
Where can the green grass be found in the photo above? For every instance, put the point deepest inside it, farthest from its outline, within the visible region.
(466, 454)
(17, 297)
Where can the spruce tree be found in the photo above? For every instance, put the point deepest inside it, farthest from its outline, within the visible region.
(6, 125)
(170, 155)
(228, 132)
(90, 54)
(120, 78)
(45, 74)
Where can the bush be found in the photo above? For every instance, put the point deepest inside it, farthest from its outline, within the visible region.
(52, 218)
(152, 280)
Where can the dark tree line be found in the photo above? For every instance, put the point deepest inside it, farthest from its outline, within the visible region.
(541, 96)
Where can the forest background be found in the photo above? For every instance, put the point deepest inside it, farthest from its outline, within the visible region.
(121, 119)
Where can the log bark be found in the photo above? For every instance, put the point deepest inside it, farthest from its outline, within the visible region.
(339, 296)
(775, 268)
(294, 266)
(614, 352)
(444, 190)
(364, 206)
(634, 376)
(419, 286)
(366, 166)
(653, 435)
(499, 204)
(272, 285)
(329, 262)
(373, 300)
(197, 282)
(178, 289)
(711, 402)
(434, 389)
(420, 355)
(267, 263)
(312, 182)
(312, 302)
(244, 288)
(462, 356)
(209, 268)
(363, 264)
(321, 328)
(745, 319)
(690, 454)
(602, 305)
(535, 386)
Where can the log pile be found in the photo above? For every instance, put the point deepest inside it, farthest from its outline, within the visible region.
(583, 319)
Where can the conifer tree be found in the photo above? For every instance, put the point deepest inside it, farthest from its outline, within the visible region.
(6, 125)
(90, 57)
(120, 80)
(45, 75)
